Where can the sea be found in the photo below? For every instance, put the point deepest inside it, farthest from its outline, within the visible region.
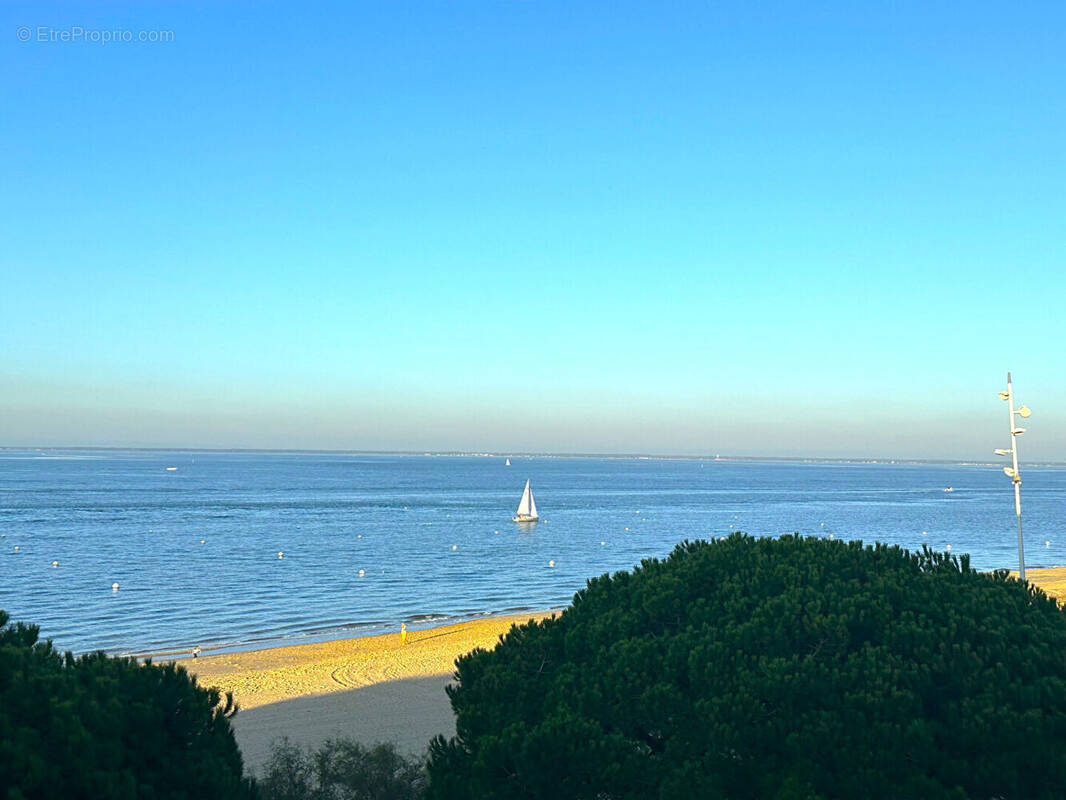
(142, 552)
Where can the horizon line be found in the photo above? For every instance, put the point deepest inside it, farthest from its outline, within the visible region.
(527, 454)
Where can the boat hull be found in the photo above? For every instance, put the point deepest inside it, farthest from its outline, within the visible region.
(524, 518)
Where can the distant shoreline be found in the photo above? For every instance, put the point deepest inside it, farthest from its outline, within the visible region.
(717, 458)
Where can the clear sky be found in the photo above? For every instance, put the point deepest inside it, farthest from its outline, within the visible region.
(666, 227)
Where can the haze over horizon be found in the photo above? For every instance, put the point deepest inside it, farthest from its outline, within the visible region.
(535, 227)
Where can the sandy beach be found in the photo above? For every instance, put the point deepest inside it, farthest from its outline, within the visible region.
(370, 688)
(1052, 580)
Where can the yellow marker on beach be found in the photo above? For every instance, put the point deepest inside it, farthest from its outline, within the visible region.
(403, 633)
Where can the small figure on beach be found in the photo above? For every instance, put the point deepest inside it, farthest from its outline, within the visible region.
(196, 651)
(403, 633)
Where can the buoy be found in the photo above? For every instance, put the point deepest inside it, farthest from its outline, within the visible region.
(551, 563)
(362, 572)
(495, 531)
(948, 547)
(281, 554)
(203, 541)
(924, 533)
(455, 547)
(360, 536)
(627, 529)
(830, 536)
(823, 524)
(602, 544)
(405, 508)
(114, 586)
(638, 510)
(1047, 544)
(55, 564)
(16, 548)
(449, 516)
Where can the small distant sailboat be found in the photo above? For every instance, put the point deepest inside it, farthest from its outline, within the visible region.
(172, 469)
(949, 489)
(507, 463)
(527, 508)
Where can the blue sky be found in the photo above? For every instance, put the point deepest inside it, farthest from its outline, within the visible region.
(759, 229)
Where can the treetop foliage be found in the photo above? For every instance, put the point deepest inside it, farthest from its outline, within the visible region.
(755, 668)
(341, 769)
(95, 726)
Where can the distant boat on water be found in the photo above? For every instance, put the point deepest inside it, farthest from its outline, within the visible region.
(527, 507)
(507, 463)
(172, 469)
(949, 489)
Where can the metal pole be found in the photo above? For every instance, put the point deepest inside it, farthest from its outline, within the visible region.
(1016, 480)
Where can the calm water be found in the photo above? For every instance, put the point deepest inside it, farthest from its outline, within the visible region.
(432, 535)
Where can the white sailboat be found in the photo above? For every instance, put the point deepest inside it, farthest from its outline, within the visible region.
(527, 508)
(507, 463)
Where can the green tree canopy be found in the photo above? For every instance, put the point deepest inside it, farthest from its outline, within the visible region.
(763, 668)
(102, 727)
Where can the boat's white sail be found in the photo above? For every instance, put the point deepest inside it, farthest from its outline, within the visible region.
(527, 507)
(525, 502)
(507, 463)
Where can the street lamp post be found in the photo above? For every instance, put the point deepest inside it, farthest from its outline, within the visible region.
(1012, 472)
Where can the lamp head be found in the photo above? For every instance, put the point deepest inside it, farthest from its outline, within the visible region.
(1004, 395)
(1008, 472)
(1023, 412)
(1002, 452)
